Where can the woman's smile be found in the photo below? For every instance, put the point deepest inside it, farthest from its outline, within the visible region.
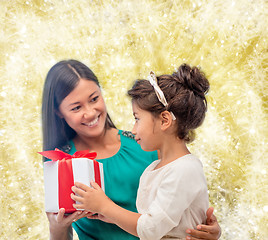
(92, 123)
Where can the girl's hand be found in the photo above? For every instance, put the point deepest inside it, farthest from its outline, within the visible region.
(211, 231)
(92, 199)
(60, 225)
(100, 217)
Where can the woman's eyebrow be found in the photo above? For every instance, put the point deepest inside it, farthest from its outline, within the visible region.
(79, 102)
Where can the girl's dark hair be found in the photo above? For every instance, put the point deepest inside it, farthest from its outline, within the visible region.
(61, 79)
(185, 93)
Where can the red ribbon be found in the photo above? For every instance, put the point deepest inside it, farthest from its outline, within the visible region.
(58, 155)
(65, 174)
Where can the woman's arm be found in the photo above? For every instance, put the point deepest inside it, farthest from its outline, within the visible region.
(94, 200)
(211, 231)
(60, 226)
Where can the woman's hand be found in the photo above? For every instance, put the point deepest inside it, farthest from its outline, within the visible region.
(60, 225)
(211, 231)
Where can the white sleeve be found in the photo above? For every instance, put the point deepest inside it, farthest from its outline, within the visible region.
(179, 187)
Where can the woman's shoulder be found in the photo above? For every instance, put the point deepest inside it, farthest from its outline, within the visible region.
(129, 144)
(127, 134)
(69, 147)
(66, 148)
(127, 140)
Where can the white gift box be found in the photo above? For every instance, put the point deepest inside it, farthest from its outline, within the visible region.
(59, 177)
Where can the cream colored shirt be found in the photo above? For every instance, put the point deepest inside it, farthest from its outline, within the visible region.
(171, 199)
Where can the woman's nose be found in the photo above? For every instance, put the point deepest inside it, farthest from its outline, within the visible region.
(89, 112)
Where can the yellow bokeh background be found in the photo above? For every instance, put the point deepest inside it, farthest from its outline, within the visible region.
(122, 41)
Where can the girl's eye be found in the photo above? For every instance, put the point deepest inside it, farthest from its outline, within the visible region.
(94, 99)
(136, 119)
(75, 108)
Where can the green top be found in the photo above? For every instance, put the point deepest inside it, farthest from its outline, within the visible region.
(121, 178)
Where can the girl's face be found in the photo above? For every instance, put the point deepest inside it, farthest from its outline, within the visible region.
(146, 129)
(84, 109)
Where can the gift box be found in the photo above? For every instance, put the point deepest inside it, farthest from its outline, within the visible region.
(63, 171)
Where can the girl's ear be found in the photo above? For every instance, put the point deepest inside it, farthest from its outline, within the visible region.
(166, 120)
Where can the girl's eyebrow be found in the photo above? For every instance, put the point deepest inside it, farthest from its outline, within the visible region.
(79, 102)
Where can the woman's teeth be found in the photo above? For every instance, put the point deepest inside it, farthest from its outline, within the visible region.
(93, 122)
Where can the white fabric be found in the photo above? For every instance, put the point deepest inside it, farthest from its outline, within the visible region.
(171, 199)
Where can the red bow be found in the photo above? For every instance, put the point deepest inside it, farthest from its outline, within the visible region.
(57, 155)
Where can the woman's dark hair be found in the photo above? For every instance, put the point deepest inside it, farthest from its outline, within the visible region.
(184, 91)
(61, 79)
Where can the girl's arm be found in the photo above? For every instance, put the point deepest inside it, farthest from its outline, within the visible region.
(60, 226)
(211, 231)
(94, 200)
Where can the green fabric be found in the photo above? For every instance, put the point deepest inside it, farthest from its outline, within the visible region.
(121, 178)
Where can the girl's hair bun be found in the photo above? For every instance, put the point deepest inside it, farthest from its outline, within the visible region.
(193, 79)
(184, 91)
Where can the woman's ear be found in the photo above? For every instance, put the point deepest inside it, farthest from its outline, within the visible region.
(166, 120)
(59, 114)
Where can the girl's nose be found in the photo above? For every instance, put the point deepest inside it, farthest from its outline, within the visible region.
(134, 129)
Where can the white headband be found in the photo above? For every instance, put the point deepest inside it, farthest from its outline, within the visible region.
(159, 93)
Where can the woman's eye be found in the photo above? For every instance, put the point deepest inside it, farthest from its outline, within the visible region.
(94, 99)
(75, 108)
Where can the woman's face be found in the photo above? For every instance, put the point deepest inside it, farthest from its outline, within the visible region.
(84, 109)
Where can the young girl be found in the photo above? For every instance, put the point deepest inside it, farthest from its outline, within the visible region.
(172, 194)
(74, 118)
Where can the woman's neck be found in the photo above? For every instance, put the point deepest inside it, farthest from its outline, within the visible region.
(106, 145)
